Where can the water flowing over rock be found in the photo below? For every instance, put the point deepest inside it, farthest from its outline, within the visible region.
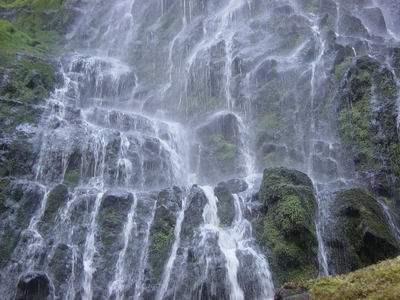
(195, 149)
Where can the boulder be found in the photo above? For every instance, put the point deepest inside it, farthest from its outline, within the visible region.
(286, 231)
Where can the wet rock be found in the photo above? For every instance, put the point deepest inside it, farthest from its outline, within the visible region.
(169, 203)
(225, 204)
(196, 201)
(34, 285)
(66, 264)
(236, 186)
(219, 154)
(57, 198)
(375, 20)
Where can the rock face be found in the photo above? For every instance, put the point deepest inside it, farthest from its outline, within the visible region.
(286, 230)
(219, 149)
(359, 234)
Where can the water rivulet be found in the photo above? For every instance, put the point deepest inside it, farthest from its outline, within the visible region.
(206, 150)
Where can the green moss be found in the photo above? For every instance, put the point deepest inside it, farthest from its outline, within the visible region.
(72, 177)
(270, 122)
(42, 28)
(162, 231)
(19, 157)
(225, 204)
(12, 40)
(37, 5)
(380, 281)
(111, 224)
(341, 68)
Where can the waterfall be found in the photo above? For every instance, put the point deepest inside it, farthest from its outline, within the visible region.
(162, 105)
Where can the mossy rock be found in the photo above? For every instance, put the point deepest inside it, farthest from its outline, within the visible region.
(113, 212)
(57, 198)
(30, 79)
(60, 263)
(360, 235)
(286, 232)
(367, 119)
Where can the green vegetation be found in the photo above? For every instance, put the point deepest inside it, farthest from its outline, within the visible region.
(379, 281)
(111, 223)
(12, 39)
(162, 231)
(367, 117)
(36, 5)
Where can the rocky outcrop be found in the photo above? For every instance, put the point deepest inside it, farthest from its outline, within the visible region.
(286, 231)
(358, 234)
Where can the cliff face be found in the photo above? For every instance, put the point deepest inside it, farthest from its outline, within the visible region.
(111, 111)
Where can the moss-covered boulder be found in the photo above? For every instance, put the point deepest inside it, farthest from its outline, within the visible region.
(286, 231)
(360, 234)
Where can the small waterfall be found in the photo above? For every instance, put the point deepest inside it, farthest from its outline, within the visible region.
(233, 240)
(116, 288)
(90, 251)
(395, 228)
(226, 242)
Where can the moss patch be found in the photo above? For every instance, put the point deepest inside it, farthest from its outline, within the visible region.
(12, 39)
(379, 281)
(162, 231)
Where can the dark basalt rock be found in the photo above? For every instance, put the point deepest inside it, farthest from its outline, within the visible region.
(236, 186)
(225, 204)
(34, 285)
(193, 214)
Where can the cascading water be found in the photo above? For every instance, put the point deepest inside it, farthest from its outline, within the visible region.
(162, 95)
